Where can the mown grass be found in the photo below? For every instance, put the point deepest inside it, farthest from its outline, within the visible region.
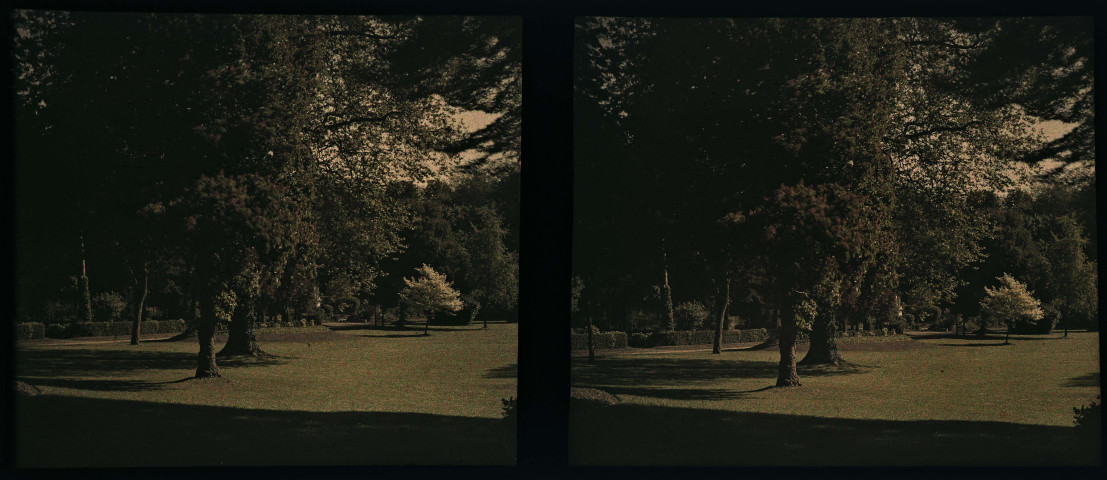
(930, 400)
(353, 395)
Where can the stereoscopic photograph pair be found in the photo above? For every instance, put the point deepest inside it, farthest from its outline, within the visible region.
(262, 240)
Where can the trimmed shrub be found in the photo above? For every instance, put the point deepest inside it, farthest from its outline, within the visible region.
(30, 331)
(108, 306)
(106, 329)
(705, 337)
(691, 316)
(603, 340)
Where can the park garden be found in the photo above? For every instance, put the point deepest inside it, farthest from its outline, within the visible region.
(292, 239)
(823, 241)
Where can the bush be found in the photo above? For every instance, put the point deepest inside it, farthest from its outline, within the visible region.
(510, 410)
(108, 306)
(639, 340)
(691, 316)
(56, 330)
(328, 311)
(639, 321)
(1051, 316)
(1087, 420)
(30, 331)
(932, 313)
(909, 319)
(579, 341)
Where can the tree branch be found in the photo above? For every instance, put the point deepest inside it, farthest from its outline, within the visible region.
(929, 131)
(939, 43)
(354, 120)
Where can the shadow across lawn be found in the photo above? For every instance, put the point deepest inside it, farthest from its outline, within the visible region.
(639, 371)
(630, 434)
(1000, 344)
(399, 328)
(57, 431)
(1000, 337)
(675, 393)
(63, 362)
(101, 385)
(506, 371)
(1086, 380)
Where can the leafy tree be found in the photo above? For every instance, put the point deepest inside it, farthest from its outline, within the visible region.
(1010, 303)
(815, 240)
(430, 293)
(108, 306)
(240, 229)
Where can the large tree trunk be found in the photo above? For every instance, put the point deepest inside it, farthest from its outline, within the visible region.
(205, 360)
(426, 326)
(786, 374)
(824, 343)
(142, 290)
(725, 301)
(241, 338)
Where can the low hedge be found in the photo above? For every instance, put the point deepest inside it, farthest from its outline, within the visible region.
(109, 329)
(30, 331)
(579, 341)
(704, 337)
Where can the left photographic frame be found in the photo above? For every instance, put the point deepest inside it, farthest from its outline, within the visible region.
(266, 240)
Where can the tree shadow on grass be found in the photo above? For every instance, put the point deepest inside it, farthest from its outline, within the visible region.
(506, 371)
(629, 434)
(989, 336)
(674, 393)
(77, 362)
(1000, 344)
(96, 385)
(118, 433)
(1086, 380)
(639, 371)
(399, 328)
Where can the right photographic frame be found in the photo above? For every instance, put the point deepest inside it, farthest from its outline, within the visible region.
(834, 242)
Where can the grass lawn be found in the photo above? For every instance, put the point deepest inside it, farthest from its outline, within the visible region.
(930, 400)
(351, 395)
